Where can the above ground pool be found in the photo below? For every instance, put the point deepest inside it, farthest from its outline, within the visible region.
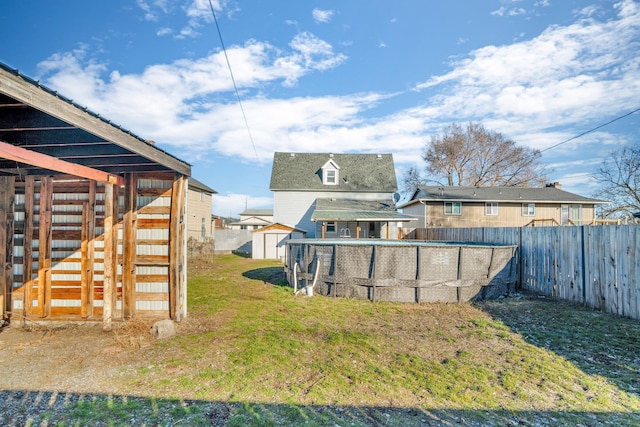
(400, 270)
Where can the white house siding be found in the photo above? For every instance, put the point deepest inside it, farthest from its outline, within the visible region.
(416, 210)
(294, 208)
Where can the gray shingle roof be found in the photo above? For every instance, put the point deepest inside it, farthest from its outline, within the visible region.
(358, 172)
(201, 186)
(258, 212)
(499, 194)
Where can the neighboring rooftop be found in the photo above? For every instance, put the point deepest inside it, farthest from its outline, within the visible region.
(549, 194)
(198, 185)
(356, 210)
(357, 173)
(257, 212)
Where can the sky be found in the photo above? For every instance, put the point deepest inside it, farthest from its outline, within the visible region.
(348, 76)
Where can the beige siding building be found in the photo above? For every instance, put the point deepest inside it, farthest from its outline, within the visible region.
(199, 211)
(452, 207)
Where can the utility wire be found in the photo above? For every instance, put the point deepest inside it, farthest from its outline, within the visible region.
(235, 87)
(590, 130)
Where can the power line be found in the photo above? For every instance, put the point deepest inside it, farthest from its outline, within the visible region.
(590, 130)
(235, 87)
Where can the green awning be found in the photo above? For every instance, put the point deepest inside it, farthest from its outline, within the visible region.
(376, 216)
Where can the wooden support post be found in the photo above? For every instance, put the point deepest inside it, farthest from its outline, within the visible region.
(84, 250)
(109, 271)
(27, 267)
(87, 250)
(176, 250)
(91, 247)
(7, 195)
(44, 245)
(129, 247)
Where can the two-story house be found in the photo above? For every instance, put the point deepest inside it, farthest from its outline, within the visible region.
(253, 219)
(336, 195)
(438, 206)
(199, 225)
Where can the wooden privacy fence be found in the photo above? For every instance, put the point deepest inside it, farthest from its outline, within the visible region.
(597, 266)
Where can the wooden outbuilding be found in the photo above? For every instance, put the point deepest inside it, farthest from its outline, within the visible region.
(91, 216)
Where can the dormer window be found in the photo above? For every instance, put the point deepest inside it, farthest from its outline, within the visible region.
(330, 173)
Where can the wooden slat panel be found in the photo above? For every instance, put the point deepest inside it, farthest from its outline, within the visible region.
(65, 311)
(152, 296)
(158, 210)
(152, 260)
(66, 293)
(152, 278)
(152, 223)
(154, 192)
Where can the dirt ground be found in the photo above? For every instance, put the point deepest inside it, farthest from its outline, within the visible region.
(66, 358)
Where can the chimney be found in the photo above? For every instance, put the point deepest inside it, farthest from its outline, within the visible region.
(555, 185)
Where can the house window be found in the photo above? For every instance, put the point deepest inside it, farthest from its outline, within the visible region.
(330, 177)
(528, 209)
(201, 196)
(571, 215)
(203, 228)
(331, 227)
(491, 208)
(452, 208)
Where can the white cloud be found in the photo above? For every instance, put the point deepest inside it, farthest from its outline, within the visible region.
(322, 16)
(504, 11)
(164, 31)
(566, 75)
(183, 103)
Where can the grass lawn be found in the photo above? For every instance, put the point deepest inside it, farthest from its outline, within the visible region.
(272, 358)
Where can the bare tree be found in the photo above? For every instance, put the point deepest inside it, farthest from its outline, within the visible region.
(475, 156)
(619, 179)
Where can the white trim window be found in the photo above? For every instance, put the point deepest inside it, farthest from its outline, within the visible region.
(528, 209)
(491, 208)
(330, 173)
(452, 208)
(330, 227)
(330, 177)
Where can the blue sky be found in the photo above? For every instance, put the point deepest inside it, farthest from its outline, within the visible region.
(339, 76)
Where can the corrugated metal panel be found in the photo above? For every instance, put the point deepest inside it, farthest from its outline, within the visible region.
(152, 305)
(64, 244)
(153, 201)
(68, 208)
(152, 234)
(154, 183)
(69, 196)
(66, 265)
(65, 303)
(153, 269)
(152, 287)
(153, 250)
